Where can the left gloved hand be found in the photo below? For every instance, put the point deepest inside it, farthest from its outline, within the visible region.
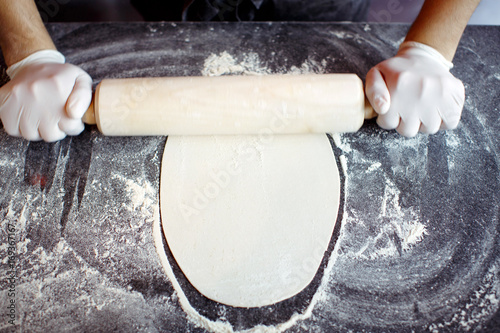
(415, 91)
(45, 98)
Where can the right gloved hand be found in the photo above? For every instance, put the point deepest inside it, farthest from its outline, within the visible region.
(45, 98)
(415, 91)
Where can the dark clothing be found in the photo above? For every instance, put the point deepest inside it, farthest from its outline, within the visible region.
(253, 10)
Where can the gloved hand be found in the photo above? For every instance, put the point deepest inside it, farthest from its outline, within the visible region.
(415, 91)
(45, 98)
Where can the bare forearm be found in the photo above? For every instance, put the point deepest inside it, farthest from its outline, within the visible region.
(22, 31)
(441, 23)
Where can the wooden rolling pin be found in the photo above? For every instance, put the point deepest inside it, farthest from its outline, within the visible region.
(277, 104)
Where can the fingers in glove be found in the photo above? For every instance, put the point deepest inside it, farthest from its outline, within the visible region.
(452, 108)
(31, 136)
(388, 121)
(80, 97)
(431, 123)
(49, 125)
(10, 117)
(50, 131)
(71, 126)
(28, 125)
(377, 91)
(450, 123)
(429, 109)
(409, 127)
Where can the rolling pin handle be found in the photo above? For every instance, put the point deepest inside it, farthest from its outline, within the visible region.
(369, 112)
(89, 116)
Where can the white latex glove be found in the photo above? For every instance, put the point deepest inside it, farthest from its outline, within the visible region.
(45, 98)
(415, 91)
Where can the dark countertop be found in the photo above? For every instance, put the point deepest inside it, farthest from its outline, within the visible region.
(417, 249)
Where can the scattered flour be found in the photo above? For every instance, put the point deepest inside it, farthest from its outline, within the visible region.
(374, 167)
(485, 301)
(398, 42)
(141, 195)
(452, 140)
(397, 229)
(404, 223)
(309, 66)
(341, 143)
(340, 34)
(142, 200)
(225, 64)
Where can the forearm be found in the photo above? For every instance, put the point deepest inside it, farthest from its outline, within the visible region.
(22, 31)
(441, 23)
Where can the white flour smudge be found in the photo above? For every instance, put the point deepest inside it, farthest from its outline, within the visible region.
(340, 34)
(374, 167)
(142, 199)
(398, 229)
(309, 66)
(141, 195)
(226, 64)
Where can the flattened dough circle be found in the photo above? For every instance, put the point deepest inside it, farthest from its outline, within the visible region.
(248, 218)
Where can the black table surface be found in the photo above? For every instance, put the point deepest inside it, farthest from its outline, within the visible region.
(416, 247)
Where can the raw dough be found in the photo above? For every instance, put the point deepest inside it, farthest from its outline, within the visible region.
(248, 218)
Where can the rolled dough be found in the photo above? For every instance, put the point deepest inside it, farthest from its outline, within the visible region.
(248, 218)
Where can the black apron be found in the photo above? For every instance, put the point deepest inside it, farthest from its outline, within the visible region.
(253, 10)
